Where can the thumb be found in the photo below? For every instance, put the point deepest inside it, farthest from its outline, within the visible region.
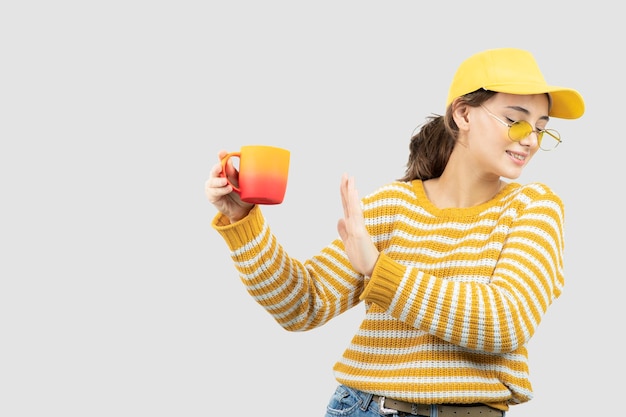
(341, 228)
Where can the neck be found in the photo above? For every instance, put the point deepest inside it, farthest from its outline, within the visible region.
(459, 192)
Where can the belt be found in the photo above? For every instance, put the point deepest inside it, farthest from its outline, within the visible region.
(389, 406)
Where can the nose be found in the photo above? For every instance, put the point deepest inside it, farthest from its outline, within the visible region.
(532, 140)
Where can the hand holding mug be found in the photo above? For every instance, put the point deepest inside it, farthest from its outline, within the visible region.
(263, 172)
(234, 192)
(220, 193)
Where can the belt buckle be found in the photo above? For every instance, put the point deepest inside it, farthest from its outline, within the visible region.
(382, 409)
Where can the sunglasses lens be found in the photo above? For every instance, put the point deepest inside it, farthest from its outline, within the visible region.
(551, 139)
(519, 130)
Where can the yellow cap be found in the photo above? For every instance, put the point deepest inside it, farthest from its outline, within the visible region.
(513, 71)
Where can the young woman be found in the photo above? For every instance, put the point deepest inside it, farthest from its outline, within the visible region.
(455, 266)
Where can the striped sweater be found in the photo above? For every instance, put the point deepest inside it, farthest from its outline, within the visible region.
(453, 300)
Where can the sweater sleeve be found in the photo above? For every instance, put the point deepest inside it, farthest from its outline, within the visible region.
(500, 314)
(299, 295)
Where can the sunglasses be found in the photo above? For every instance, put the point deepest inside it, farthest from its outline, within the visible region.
(522, 129)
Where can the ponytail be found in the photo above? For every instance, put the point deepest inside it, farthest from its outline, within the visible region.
(431, 146)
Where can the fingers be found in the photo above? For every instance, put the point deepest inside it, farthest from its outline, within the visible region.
(216, 186)
(216, 171)
(343, 189)
(216, 179)
(347, 193)
(356, 239)
(224, 170)
(349, 197)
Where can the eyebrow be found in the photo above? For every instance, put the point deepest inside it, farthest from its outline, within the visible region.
(526, 112)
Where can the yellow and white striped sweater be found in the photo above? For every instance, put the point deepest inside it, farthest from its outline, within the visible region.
(454, 298)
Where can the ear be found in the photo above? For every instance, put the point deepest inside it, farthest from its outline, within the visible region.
(460, 114)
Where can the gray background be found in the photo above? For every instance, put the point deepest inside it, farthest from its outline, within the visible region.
(116, 296)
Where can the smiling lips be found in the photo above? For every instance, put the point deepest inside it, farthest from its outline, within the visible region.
(518, 157)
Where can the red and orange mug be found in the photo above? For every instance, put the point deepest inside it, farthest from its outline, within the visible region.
(263, 172)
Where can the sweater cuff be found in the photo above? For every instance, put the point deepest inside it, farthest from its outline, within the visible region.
(241, 232)
(384, 281)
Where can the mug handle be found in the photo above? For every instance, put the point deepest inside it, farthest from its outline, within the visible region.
(224, 160)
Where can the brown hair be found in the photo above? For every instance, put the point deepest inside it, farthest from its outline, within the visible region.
(431, 146)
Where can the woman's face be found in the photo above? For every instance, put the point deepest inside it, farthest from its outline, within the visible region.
(487, 138)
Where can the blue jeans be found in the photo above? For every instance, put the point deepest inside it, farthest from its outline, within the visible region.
(348, 402)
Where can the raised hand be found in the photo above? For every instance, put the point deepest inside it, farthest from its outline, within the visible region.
(357, 241)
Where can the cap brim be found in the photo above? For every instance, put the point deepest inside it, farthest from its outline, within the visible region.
(566, 102)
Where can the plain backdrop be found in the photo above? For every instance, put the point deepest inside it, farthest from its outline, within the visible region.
(117, 298)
